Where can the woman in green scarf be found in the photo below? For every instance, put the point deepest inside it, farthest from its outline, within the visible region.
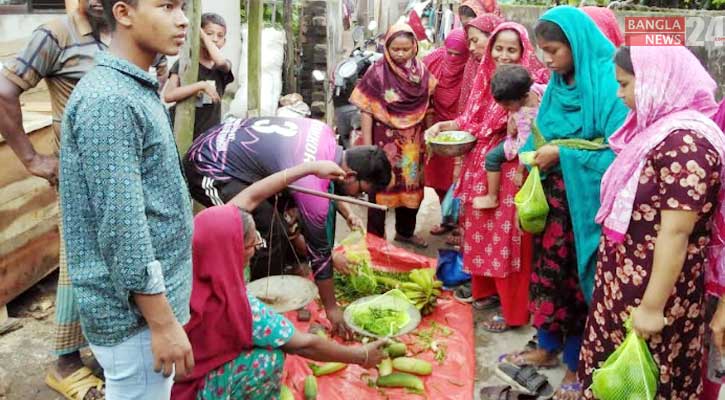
(580, 103)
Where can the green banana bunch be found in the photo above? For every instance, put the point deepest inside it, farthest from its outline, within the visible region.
(422, 290)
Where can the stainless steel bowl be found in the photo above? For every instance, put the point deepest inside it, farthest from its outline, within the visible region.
(463, 144)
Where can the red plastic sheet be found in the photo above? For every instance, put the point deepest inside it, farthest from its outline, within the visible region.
(452, 380)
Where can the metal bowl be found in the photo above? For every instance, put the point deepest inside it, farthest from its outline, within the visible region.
(413, 313)
(283, 292)
(463, 144)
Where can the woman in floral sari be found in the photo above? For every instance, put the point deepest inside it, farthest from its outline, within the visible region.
(393, 97)
(579, 103)
(446, 64)
(495, 251)
(238, 342)
(659, 206)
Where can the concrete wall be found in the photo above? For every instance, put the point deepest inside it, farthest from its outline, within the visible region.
(20, 26)
(712, 54)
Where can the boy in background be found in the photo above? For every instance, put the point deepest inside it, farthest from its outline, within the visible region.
(215, 73)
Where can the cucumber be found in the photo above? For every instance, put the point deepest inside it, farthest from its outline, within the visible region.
(401, 380)
(310, 387)
(285, 393)
(412, 365)
(385, 367)
(326, 368)
(396, 349)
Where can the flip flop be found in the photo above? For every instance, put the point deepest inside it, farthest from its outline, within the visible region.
(503, 393)
(464, 294)
(488, 303)
(76, 385)
(496, 320)
(413, 240)
(439, 230)
(571, 388)
(517, 358)
(525, 379)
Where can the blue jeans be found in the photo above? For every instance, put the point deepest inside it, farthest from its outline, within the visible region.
(129, 370)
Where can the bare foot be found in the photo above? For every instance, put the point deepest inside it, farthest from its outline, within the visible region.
(570, 388)
(535, 357)
(485, 202)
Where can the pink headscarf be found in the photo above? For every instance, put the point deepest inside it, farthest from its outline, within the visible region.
(482, 7)
(483, 117)
(719, 117)
(448, 69)
(606, 22)
(673, 92)
(485, 23)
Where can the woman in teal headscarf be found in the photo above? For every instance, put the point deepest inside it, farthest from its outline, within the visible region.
(580, 102)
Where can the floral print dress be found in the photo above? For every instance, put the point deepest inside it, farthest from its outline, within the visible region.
(257, 373)
(681, 173)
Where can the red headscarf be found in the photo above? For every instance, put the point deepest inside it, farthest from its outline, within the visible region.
(396, 95)
(448, 69)
(481, 7)
(606, 22)
(221, 319)
(483, 117)
(486, 23)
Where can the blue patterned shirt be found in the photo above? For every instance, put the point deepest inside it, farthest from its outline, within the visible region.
(127, 219)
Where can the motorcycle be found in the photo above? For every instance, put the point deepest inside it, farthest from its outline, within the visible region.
(346, 75)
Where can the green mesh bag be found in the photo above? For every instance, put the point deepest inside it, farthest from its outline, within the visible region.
(531, 204)
(630, 373)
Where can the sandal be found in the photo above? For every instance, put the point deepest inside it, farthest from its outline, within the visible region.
(442, 229)
(525, 379)
(496, 324)
(464, 294)
(575, 389)
(413, 240)
(519, 359)
(503, 393)
(487, 303)
(76, 385)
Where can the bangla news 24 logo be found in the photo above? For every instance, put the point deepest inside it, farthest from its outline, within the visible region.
(674, 30)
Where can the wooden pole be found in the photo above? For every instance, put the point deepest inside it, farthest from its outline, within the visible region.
(331, 196)
(188, 73)
(289, 62)
(254, 51)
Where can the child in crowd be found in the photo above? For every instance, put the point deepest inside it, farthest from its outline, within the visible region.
(215, 73)
(513, 89)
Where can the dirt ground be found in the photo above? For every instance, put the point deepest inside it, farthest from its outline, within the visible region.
(26, 353)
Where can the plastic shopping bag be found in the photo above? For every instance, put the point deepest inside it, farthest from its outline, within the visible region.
(531, 204)
(630, 373)
(450, 268)
(450, 207)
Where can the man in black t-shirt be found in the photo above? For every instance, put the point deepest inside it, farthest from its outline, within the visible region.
(215, 73)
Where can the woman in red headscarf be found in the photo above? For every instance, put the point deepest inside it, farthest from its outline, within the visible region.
(393, 97)
(237, 341)
(446, 64)
(471, 9)
(606, 22)
(495, 251)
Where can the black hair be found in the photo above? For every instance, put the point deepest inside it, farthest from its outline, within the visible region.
(466, 11)
(108, 10)
(213, 18)
(371, 165)
(551, 31)
(511, 82)
(623, 58)
(248, 225)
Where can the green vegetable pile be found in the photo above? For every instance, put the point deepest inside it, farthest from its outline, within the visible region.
(385, 315)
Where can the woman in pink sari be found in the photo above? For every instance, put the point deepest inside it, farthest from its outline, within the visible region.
(495, 250)
(606, 22)
(662, 217)
(471, 9)
(446, 64)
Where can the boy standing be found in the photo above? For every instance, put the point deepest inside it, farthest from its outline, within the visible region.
(215, 73)
(126, 214)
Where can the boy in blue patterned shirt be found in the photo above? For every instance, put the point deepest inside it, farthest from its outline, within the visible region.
(127, 217)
